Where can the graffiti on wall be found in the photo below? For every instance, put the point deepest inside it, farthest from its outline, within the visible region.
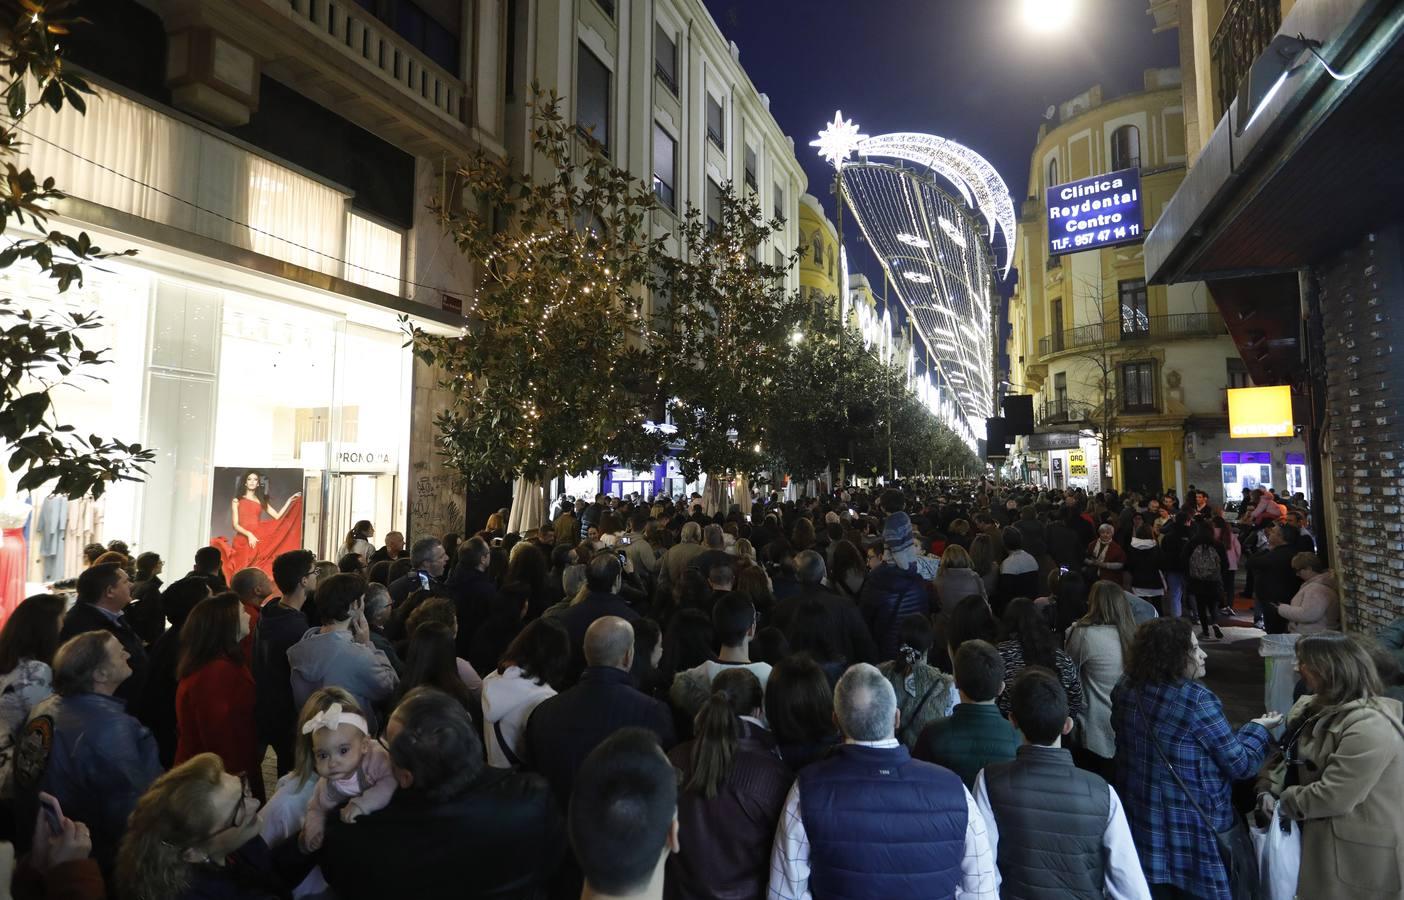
(436, 501)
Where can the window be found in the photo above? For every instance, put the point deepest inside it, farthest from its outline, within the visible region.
(1060, 394)
(438, 40)
(1238, 373)
(830, 257)
(716, 124)
(592, 97)
(1135, 313)
(818, 249)
(607, 6)
(665, 58)
(751, 169)
(1138, 387)
(1056, 325)
(779, 260)
(665, 161)
(714, 204)
(1052, 172)
(1126, 148)
(779, 202)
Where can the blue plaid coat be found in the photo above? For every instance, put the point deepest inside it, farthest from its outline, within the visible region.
(1174, 845)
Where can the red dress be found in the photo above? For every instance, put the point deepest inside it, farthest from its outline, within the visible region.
(12, 562)
(275, 536)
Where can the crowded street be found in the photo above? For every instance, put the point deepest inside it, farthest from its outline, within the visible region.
(701, 450)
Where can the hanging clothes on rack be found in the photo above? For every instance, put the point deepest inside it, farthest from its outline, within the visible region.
(84, 527)
(52, 537)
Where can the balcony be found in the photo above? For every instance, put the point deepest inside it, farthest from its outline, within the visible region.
(1062, 411)
(1244, 32)
(1115, 332)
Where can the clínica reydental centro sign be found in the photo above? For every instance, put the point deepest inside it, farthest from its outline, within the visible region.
(1095, 212)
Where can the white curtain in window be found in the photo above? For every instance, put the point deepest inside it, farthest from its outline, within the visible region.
(374, 254)
(136, 159)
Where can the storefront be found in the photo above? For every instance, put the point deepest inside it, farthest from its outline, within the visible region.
(296, 399)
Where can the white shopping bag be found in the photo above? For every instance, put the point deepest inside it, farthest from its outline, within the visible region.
(1279, 850)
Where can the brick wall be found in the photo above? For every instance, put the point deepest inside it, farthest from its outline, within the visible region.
(1361, 291)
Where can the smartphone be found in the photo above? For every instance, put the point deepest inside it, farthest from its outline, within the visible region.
(1063, 570)
(626, 540)
(50, 808)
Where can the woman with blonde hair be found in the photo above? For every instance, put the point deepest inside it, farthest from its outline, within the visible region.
(194, 833)
(1099, 644)
(957, 578)
(1341, 773)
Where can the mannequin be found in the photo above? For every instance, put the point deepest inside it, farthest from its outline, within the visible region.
(14, 512)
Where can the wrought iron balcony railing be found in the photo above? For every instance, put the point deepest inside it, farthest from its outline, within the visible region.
(1138, 328)
(1244, 32)
(1065, 412)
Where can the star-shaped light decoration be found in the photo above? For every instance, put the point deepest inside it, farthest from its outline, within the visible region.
(838, 140)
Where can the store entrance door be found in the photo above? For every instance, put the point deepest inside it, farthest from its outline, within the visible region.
(1140, 471)
(345, 499)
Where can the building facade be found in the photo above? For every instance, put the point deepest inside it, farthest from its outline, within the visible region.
(819, 258)
(1292, 220)
(1116, 366)
(661, 88)
(272, 166)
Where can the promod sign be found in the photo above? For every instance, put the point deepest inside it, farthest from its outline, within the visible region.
(1100, 211)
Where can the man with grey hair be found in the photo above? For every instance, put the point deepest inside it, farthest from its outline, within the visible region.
(564, 729)
(843, 623)
(254, 587)
(870, 821)
(714, 554)
(429, 559)
(679, 557)
(378, 609)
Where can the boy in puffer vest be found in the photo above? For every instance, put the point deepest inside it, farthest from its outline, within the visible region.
(1055, 830)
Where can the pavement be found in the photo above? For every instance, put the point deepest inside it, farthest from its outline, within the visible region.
(1234, 670)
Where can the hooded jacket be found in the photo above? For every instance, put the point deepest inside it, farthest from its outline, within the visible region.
(1145, 562)
(279, 628)
(334, 658)
(1314, 608)
(508, 701)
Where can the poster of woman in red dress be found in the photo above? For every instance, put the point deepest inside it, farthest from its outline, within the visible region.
(247, 526)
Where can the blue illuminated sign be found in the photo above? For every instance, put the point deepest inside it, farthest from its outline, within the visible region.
(1095, 212)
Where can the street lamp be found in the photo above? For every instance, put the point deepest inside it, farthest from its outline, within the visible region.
(1047, 15)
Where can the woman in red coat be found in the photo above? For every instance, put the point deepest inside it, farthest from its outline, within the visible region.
(215, 698)
(1106, 556)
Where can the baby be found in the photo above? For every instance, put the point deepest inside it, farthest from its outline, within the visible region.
(350, 766)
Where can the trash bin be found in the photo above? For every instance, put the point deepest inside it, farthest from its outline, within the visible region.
(1279, 652)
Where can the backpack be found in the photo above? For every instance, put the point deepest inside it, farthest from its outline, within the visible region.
(1204, 564)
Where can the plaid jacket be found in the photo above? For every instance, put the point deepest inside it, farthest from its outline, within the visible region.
(1174, 846)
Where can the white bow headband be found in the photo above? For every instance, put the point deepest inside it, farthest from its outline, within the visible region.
(332, 717)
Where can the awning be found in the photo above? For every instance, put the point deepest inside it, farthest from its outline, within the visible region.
(1314, 170)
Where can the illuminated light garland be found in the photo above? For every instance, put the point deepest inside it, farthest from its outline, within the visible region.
(912, 240)
(917, 277)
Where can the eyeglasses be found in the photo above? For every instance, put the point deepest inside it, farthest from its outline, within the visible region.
(236, 818)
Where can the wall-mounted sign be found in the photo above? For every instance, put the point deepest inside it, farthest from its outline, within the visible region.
(1258, 412)
(1077, 464)
(1055, 440)
(1100, 211)
(349, 457)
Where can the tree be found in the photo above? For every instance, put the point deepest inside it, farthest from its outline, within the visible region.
(549, 376)
(40, 352)
(722, 341)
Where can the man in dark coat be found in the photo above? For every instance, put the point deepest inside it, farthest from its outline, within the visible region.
(603, 579)
(281, 624)
(429, 558)
(1274, 579)
(103, 593)
(471, 589)
(848, 633)
(454, 828)
(565, 728)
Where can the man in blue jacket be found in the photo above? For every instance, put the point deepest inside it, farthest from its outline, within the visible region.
(868, 821)
(81, 746)
(894, 589)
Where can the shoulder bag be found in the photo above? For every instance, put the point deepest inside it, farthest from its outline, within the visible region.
(1235, 846)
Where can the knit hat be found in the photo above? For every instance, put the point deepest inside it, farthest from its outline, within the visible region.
(897, 532)
(897, 537)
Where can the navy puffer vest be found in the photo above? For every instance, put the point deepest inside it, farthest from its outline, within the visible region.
(881, 824)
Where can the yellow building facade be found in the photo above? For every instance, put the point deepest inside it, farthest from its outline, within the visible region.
(1117, 368)
(819, 274)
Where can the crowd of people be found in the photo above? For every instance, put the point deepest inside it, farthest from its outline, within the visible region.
(944, 689)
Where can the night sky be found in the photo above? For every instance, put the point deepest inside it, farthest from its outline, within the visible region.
(967, 70)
